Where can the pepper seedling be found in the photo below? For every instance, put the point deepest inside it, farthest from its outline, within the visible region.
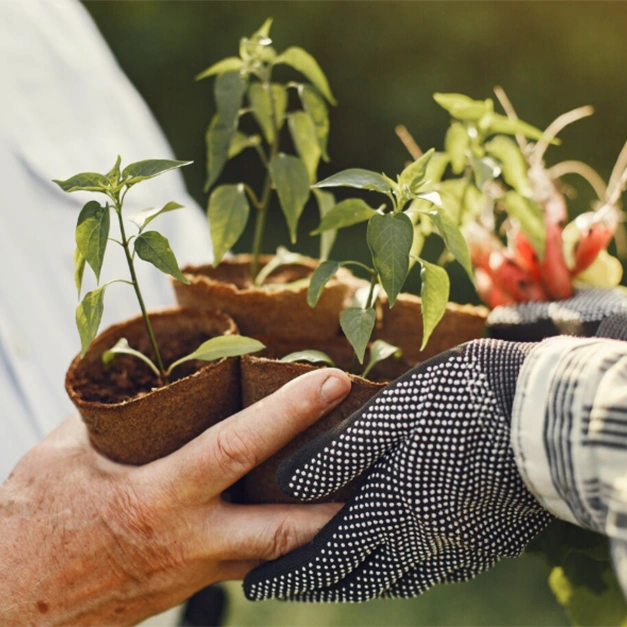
(244, 86)
(394, 237)
(92, 237)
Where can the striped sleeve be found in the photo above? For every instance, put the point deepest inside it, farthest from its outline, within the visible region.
(569, 434)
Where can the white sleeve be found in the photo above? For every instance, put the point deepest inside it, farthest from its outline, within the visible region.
(67, 108)
(569, 434)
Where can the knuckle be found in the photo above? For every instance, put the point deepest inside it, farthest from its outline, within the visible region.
(284, 539)
(234, 451)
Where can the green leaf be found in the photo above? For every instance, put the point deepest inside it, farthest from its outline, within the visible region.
(390, 239)
(155, 249)
(303, 62)
(437, 166)
(122, 347)
(303, 134)
(321, 276)
(502, 124)
(264, 30)
(259, 99)
(379, 351)
(357, 325)
(530, 217)
(456, 143)
(114, 173)
(433, 197)
(229, 92)
(143, 170)
(218, 139)
(230, 64)
(79, 270)
(358, 178)
(219, 347)
(485, 170)
(227, 212)
(282, 257)
(326, 202)
(242, 141)
(92, 234)
(462, 107)
(453, 239)
(434, 294)
(84, 182)
(88, 316)
(513, 163)
(311, 356)
(291, 180)
(345, 213)
(316, 109)
(146, 216)
(414, 174)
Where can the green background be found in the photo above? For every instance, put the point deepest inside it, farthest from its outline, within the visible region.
(384, 60)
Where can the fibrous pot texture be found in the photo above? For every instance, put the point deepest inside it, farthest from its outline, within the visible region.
(276, 308)
(132, 420)
(261, 377)
(401, 325)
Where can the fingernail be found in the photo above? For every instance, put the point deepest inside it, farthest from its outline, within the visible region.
(333, 389)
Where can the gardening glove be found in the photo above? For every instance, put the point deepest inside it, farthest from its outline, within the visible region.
(443, 499)
(580, 315)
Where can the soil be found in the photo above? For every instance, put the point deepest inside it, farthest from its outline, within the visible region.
(128, 377)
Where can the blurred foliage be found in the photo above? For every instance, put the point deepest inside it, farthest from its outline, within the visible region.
(384, 60)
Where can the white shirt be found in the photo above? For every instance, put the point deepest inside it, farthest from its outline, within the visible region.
(66, 108)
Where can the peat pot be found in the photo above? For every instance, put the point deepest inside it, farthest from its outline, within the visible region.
(261, 377)
(277, 308)
(130, 418)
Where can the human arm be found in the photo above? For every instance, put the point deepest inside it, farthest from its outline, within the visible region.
(86, 541)
(443, 498)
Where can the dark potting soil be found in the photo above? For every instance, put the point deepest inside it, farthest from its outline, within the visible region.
(127, 377)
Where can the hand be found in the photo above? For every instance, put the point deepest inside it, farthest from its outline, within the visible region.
(84, 540)
(580, 315)
(443, 499)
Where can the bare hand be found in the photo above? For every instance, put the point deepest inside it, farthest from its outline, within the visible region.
(86, 541)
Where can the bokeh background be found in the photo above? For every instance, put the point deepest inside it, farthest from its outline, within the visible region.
(384, 60)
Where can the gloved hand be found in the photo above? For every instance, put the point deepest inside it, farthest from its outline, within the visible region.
(580, 315)
(443, 499)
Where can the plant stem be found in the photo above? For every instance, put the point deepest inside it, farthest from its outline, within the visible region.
(374, 279)
(131, 267)
(260, 222)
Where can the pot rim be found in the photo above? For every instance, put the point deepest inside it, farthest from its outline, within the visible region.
(172, 311)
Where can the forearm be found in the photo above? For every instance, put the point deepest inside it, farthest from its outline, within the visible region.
(569, 429)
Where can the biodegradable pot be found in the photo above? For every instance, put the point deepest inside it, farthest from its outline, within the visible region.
(401, 325)
(261, 377)
(271, 309)
(129, 418)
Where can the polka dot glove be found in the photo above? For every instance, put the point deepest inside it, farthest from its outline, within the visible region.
(580, 315)
(442, 500)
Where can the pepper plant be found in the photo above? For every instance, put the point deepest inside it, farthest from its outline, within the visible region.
(92, 238)
(499, 184)
(395, 243)
(244, 86)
